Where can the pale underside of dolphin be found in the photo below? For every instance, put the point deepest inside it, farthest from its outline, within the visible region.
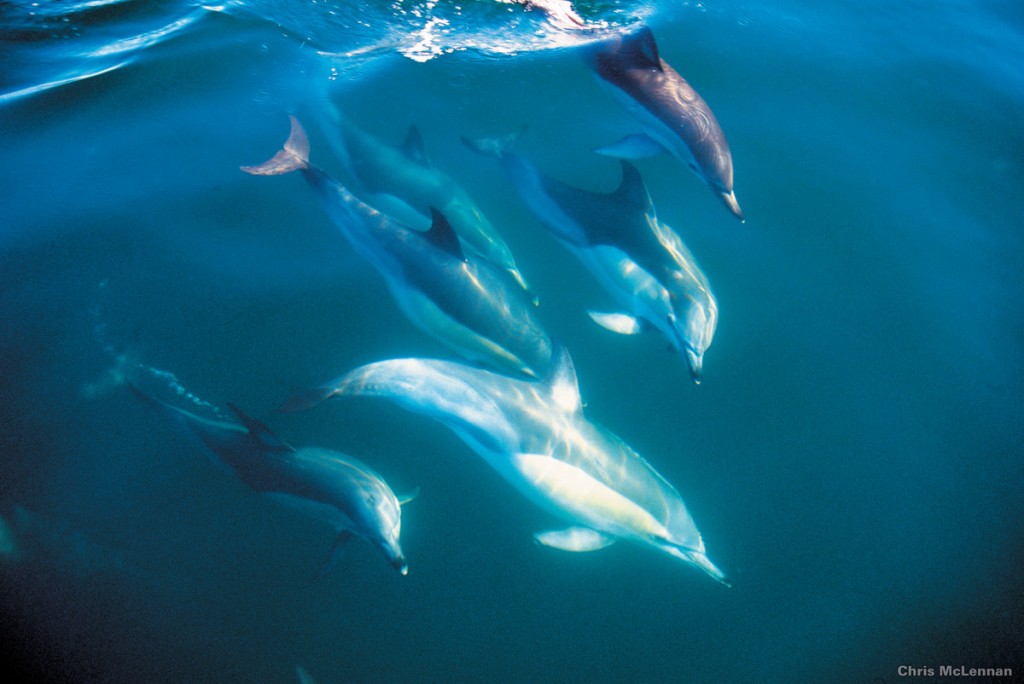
(403, 183)
(327, 485)
(465, 303)
(673, 116)
(637, 258)
(534, 434)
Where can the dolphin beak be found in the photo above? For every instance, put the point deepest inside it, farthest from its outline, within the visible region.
(400, 565)
(730, 201)
(701, 561)
(696, 363)
(521, 282)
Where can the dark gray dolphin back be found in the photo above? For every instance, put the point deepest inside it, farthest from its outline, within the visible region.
(620, 219)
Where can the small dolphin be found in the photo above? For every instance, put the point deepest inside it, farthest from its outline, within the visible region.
(403, 183)
(325, 484)
(638, 259)
(464, 303)
(674, 117)
(535, 435)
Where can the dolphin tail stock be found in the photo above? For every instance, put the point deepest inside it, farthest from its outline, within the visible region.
(181, 422)
(149, 401)
(304, 399)
(122, 372)
(260, 432)
(293, 156)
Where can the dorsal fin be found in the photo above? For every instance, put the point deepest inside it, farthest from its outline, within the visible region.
(631, 188)
(442, 235)
(639, 51)
(413, 147)
(260, 431)
(561, 381)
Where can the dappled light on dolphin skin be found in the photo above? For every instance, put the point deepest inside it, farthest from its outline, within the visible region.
(675, 118)
(534, 434)
(463, 302)
(820, 406)
(325, 485)
(403, 183)
(636, 257)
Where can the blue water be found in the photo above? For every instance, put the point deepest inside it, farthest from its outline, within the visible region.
(854, 457)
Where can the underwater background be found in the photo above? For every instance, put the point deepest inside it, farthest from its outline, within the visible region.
(854, 456)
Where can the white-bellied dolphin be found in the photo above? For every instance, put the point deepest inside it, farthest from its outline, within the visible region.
(674, 117)
(637, 258)
(465, 303)
(403, 183)
(535, 435)
(330, 486)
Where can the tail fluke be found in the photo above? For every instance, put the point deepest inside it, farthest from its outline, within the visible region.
(112, 378)
(292, 157)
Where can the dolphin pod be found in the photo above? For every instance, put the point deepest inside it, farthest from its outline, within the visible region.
(453, 276)
(464, 303)
(674, 117)
(534, 434)
(326, 485)
(637, 258)
(402, 182)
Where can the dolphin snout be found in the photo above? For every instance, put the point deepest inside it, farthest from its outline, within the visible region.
(730, 201)
(696, 363)
(400, 564)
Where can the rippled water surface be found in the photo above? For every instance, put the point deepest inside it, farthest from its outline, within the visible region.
(853, 456)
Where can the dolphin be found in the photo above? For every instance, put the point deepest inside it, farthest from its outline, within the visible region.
(674, 117)
(403, 183)
(534, 434)
(467, 304)
(638, 259)
(324, 484)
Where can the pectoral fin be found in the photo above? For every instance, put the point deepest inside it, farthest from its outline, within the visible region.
(636, 146)
(621, 323)
(575, 539)
(408, 496)
(335, 553)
